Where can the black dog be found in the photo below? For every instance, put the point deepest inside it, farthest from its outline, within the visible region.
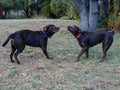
(88, 39)
(32, 38)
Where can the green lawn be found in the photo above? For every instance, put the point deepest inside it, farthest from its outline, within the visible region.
(62, 73)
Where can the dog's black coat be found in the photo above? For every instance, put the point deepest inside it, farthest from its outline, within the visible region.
(88, 39)
(32, 38)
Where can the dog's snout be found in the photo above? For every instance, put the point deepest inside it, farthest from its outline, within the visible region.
(69, 27)
(57, 28)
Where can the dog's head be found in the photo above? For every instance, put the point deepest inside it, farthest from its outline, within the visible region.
(51, 29)
(74, 30)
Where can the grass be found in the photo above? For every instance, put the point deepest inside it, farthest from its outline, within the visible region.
(89, 69)
(61, 73)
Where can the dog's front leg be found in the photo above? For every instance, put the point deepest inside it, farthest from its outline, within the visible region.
(87, 53)
(82, 51)
(44, 49)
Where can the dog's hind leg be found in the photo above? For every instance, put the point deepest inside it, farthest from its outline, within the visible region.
(13, 49)
(82, 51)
(103, 52)
(106, 46)
(19, 50)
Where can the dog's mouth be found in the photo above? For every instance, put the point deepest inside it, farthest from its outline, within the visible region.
(56, 29)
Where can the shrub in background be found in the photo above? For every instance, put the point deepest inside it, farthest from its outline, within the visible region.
(114, 22)
(102, 23)
(72, 11)
(58, 7)
(45, 10)
(117, 23)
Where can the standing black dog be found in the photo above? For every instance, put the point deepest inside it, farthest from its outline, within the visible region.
(88, 39)
(32, 38)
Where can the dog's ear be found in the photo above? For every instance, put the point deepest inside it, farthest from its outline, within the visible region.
(46, 27)
(49, 27)
(77, 28)
(110, 29)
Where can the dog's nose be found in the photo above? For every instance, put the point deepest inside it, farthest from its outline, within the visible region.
(58, 28)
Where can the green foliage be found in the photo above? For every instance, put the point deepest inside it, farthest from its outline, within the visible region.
(111, 20)
(63, 9)
(6, 3)
(116, 7)
(14, 4)
(102, 23)
(114, 21)
(59, 7)
(72, 11)
(114, 17)
(45, 10)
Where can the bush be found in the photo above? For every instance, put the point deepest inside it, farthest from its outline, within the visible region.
(102, 23)
(117, 23)
(72, 11)
(58, 7)
(114, 22)
(45, 10)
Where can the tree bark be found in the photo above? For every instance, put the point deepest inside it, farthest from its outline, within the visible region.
(111, 5)
(84, 23)
(81, 5)
(26, 9)
(103, 9)
(88, 14)
(93, 14)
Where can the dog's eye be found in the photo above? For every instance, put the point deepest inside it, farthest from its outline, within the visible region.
(74, 26)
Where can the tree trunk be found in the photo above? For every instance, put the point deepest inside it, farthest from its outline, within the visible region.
(111, 5)
(84, 23)
(88, 14)
(26, 9)
(93, 14)
(5, 10)
(103, 9)
(82, 7)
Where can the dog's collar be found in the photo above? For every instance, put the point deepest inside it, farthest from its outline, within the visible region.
(78, 36)
(45, 34)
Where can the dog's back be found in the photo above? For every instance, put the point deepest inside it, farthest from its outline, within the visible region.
(19, 34)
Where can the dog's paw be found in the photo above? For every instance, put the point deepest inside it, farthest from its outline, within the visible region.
(101, 60)
(12, 61)
(18, 63)
(77, 61)
(50, 58)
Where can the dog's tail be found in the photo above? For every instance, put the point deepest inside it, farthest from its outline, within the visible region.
(7, 40)
(112, 32)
